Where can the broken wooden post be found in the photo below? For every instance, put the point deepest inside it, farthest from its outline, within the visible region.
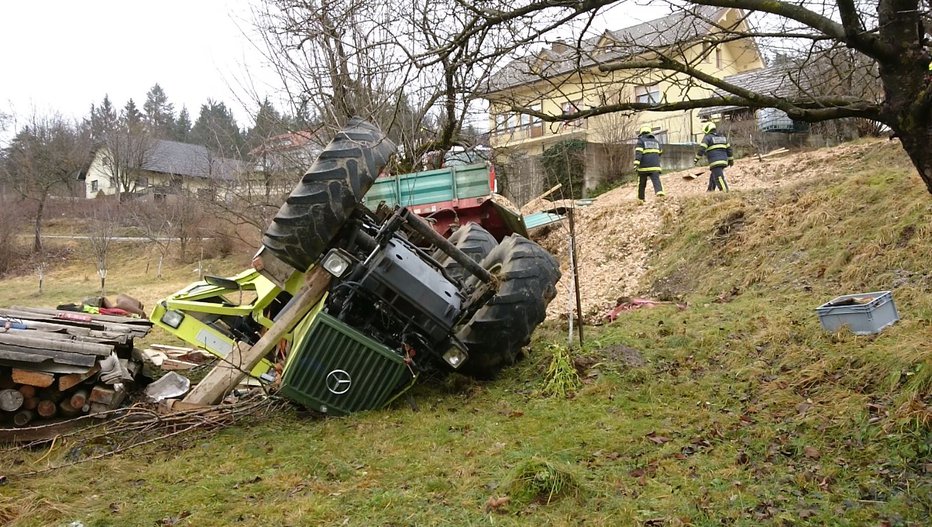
(229, 372)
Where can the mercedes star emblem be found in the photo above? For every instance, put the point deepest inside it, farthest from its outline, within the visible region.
(339, 382)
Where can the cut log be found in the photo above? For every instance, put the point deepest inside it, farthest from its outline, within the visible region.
(11, 400)
(78, 399)
(27, 391)
(39, 379)
(67, 410)
(47, 408)
(23, 417)
(30, 403)
(107, 396)
(67, 382)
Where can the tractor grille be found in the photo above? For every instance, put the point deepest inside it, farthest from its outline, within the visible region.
(338, 370)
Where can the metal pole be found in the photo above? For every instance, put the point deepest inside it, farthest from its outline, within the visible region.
(569, 298)
(424, 229)
(571, 213)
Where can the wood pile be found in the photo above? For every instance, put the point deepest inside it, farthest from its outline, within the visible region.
(59, 364)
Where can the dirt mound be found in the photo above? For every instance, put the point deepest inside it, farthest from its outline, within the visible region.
(614, 234)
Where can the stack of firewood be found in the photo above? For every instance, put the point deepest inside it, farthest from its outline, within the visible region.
(29, 395)
(60, 365)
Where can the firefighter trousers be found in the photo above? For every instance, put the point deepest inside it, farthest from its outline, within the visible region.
(654, 176)
(717, 179)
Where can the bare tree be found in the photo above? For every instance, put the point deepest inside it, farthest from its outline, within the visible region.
(43, 159)
(155, 221)
(390, 62)
(887, 37)
(100, 222)
(125, 151)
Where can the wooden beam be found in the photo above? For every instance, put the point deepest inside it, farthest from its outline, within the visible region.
(67, 382)
(39, 379)
(39, 356)
(229, 372)
(36, 341)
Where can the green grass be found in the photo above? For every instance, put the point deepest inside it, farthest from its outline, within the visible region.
(738, 410)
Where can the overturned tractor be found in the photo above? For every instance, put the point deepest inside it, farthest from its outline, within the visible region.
(358, 304)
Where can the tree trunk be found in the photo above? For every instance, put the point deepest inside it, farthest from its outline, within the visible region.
(918, 145)
(907, 82)
(37, 242)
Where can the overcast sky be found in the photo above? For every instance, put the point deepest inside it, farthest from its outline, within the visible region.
(61, 56)
(64, 55)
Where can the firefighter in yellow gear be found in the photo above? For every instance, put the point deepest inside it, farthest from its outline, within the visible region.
(714, 146)
(647, 162)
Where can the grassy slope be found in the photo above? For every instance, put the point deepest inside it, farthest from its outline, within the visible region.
(756, 415)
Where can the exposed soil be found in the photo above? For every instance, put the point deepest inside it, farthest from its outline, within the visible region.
(615, 233)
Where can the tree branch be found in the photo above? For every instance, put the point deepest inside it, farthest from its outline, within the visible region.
(855, 37)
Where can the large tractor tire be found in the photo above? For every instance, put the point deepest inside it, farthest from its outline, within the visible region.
(328, 194)
(473, 240)
(528, 275)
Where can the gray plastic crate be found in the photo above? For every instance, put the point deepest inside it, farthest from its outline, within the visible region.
(863, 313)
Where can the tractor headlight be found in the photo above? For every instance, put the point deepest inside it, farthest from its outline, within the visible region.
(336, 263)
(455, 356)
(172, 319)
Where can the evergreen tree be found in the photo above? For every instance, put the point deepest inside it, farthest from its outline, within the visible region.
(103, 119)
(181, 131)
(159, 113)
(132, 118)
(269, 123)
(216, 129)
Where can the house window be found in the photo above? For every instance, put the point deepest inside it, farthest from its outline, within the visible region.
(95, 185)
(718, 58)
(706, 53)
(572, 108)
(647, 94)
(537, 126)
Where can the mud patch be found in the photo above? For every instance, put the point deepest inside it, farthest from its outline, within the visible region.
(619, 355)
(672, 287)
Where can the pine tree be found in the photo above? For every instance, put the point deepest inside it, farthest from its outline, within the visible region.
(216, 129)
(269, 123)
(181, 131)
(132, 118)
(159, 113)
(103, 119)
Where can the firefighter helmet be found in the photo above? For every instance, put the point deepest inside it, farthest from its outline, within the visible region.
(646, 129)
(709, 127)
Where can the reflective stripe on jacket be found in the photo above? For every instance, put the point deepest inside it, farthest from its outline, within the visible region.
(714, 146)
(647, 153)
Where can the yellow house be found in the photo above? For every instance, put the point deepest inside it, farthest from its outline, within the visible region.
(167, 168)
(565, 79)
